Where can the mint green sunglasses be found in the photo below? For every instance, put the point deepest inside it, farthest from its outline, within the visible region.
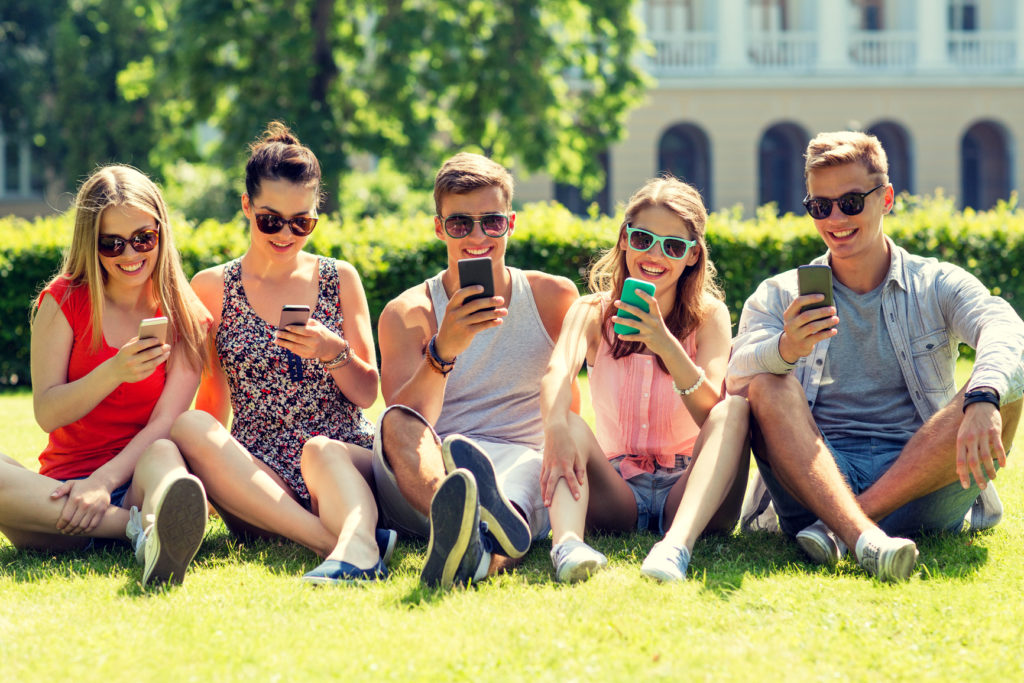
(673, 247)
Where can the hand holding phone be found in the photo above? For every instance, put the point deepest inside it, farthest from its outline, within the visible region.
(477, 271)
(154, 328)
(630, 296)
(815, 280)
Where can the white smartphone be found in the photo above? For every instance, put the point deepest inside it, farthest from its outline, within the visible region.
(154, 328)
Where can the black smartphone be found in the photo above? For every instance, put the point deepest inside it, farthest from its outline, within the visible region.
(629, 296)
(477, 271)
(293, 314)
(815, 280)
(154, 328)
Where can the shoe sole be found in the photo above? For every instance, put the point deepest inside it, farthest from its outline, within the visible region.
(900, 564)
(453, 519)
(660, 575)
(178, 528)
(820, 550)
(503, 521)
(581, 572)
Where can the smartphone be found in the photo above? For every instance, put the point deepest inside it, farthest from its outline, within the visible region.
(154, 328)
(293, 314)
(477, 271)
(630, 296)
(815, 280)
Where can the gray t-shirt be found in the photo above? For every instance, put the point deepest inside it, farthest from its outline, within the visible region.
(863, 392)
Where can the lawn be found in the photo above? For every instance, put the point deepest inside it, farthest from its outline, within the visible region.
(752, 609)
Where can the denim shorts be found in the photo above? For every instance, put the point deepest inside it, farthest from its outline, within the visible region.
(116, 496)
(650, 489)
(862, 461)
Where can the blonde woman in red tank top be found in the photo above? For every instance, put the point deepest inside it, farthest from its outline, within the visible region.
(667, 446)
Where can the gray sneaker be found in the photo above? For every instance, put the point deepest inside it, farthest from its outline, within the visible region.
(576, 561)
(666, 562)
(986, 511)
(167, 545)
(758, 511)
(888, 558)
(820, 544)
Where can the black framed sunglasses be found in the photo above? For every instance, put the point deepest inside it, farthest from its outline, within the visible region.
(271, 223)
(851, 203)
(142, 240)
(672, 247)
(459, 225)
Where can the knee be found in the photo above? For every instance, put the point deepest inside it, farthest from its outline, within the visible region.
(162, 451)
(732, 412)
(190, 430)
(319, 449)
(767, 393)
(401, 434)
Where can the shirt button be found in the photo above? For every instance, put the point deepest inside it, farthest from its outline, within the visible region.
(646, 395)
(643, 426)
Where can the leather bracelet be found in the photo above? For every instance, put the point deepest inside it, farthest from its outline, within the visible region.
(341, 359)
(434, 363)
(980, 396)
(701, 376)
(442, 363)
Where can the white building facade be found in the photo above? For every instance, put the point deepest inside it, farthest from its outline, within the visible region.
(742, 85)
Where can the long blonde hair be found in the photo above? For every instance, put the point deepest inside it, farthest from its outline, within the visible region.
(697, 284)
(124, 186)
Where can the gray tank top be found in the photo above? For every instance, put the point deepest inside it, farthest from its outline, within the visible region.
(493, 393)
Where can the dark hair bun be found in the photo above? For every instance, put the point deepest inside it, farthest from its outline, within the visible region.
(275, 132)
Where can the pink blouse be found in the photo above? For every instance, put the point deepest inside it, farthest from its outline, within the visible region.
(637, 412)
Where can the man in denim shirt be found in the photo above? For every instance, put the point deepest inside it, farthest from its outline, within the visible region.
(862, 435)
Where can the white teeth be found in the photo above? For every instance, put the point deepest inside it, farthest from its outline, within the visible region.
(477, 252)
(131, 268)
(844, 233)
(652, 271)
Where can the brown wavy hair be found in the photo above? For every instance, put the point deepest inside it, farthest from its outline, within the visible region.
(697, 285)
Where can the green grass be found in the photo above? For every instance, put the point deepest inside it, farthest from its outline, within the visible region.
(752, 609)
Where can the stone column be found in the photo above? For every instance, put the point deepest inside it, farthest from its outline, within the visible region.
(731, 28)
(932, 34)
(833, 35)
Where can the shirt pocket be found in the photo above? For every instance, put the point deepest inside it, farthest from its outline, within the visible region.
(932, 360)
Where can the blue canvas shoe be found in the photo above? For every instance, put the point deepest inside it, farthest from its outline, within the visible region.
(386, 539)
(334, 572)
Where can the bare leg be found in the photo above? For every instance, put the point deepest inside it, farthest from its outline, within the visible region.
(928, 461)
(342, 498)
(414, 456)
(799, 458)
(617, 510)
(28, 516)
(244, 487)
(722, 442)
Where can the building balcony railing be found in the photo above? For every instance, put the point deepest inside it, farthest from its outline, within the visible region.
(883, 49)
(697, 53)
(790, 50)
(983, 49)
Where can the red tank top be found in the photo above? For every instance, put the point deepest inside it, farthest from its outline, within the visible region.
(80, 448)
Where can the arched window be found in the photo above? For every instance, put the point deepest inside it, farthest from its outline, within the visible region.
(572, 198)
(685, 152)
(896, 143)
(985, 165)
(781, 167)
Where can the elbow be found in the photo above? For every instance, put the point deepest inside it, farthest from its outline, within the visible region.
(46, 425)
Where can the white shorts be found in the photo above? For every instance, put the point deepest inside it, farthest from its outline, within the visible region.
(516, 467)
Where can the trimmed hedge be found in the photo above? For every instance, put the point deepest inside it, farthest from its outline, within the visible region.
(393, 253)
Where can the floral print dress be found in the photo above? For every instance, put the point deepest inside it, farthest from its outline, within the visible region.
(274, 411)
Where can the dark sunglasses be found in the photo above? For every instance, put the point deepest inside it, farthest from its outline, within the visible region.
(672, 247)
(271, 223)
(141, 240)
(459, 225)
(851, 203)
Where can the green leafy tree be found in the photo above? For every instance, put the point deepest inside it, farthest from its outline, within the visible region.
(539, 84)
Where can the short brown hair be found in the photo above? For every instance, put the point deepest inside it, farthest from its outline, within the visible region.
(846, 147)
(466, 172)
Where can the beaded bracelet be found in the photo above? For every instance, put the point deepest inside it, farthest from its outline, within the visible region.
(701, 376)
(341, 359)
(434, 359)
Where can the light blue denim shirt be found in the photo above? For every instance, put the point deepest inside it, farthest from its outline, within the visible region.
(929, 308)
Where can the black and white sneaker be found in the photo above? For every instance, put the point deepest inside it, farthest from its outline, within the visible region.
(454, 552)
(509, 531)
(167, 545)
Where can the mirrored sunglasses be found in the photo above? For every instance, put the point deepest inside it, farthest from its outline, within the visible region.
(851, 204)
(459, 225)
(271, 223)
(672, 247)
(141, 240)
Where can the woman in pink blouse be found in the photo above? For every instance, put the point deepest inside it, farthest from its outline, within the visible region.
(668, 444)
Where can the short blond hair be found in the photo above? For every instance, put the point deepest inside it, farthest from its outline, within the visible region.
(846, 147)
(466, 172)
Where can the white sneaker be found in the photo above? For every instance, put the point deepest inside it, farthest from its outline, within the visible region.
(165, 547)
(888, 558)
(576, 561)
(666, 562)
(986, 511)
(820, 544)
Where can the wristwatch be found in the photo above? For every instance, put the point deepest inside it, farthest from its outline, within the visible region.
(981, 396)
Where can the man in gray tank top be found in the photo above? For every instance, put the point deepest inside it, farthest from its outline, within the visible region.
(862, 434)
(457, 453)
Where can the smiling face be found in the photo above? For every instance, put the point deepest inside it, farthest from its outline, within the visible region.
(286, 199)
(653, 265)
(477, 244)
(130, 268)
(851, 238)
